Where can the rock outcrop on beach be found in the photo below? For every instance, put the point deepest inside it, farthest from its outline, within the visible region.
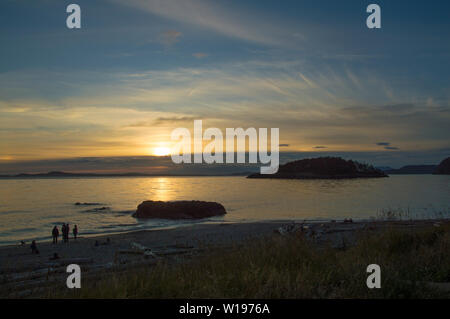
(323, 168)
(443, 167)
(179, 210)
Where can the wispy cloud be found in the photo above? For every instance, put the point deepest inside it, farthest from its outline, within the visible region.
(209, 15)
(311, 107)
(164, 121)
(175, 120)
(200, 55)
(170, 37)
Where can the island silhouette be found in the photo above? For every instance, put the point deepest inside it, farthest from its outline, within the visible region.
(323, 168)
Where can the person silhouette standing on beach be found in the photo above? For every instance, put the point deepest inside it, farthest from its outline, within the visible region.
(55, 234)
(67, 232)
(33, 247)
(64, 231)
(75, 232)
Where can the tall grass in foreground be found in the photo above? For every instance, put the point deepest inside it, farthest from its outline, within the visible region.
(291, 267)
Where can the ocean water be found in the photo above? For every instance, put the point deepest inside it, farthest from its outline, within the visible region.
(30, 207)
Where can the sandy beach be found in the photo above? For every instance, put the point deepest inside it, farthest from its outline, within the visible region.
(23, 274)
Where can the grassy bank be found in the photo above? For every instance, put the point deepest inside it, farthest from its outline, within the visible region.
(292, 267)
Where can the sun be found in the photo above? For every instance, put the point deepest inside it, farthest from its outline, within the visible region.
(161, 151)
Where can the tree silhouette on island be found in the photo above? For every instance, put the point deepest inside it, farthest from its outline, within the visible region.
(323, 168)
(444, 167)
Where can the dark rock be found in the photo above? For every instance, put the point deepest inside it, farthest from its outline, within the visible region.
(87, 204)
(443, 167)
(179, 210)
(323, 168)
(98, 209)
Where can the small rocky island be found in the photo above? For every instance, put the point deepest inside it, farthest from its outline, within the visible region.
(444, 167)
(179, 209)
(323, 168)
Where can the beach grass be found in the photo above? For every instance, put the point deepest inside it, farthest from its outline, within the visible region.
(411, 262)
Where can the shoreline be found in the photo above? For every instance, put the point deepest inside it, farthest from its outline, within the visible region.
(102, 235)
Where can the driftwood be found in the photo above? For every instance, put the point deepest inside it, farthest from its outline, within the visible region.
(65, 262)
(147, 252)
(168, 252)
(130, 252)
(137, 249)
(138, 246)
(290, 229)
(30, 275)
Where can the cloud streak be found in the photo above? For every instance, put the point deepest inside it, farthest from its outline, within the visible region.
(209, 16)
(200, 55)
(170, 37)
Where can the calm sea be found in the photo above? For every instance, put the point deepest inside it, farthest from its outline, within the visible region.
(30, 207)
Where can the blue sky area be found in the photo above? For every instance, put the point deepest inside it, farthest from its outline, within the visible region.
(138, 69)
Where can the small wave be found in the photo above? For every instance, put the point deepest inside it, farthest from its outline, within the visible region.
(88, 204)
(107, 227)
(124, 212)
(108, 210)
(17, 231)
(117, 226)
(98, 210)
(8, 212)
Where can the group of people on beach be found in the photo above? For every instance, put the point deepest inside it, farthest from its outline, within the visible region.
(65, 229)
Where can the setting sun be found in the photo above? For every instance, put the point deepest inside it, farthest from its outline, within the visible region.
(161, 151)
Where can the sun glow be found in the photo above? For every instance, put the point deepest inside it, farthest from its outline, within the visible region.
(161, 151)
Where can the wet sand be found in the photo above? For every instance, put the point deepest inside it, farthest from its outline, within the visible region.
(22, 272)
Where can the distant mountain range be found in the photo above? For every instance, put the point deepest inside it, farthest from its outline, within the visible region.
(66, 174)
(442, 168)
(410, 169)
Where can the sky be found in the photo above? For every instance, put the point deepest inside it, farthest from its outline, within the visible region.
(136, 70)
